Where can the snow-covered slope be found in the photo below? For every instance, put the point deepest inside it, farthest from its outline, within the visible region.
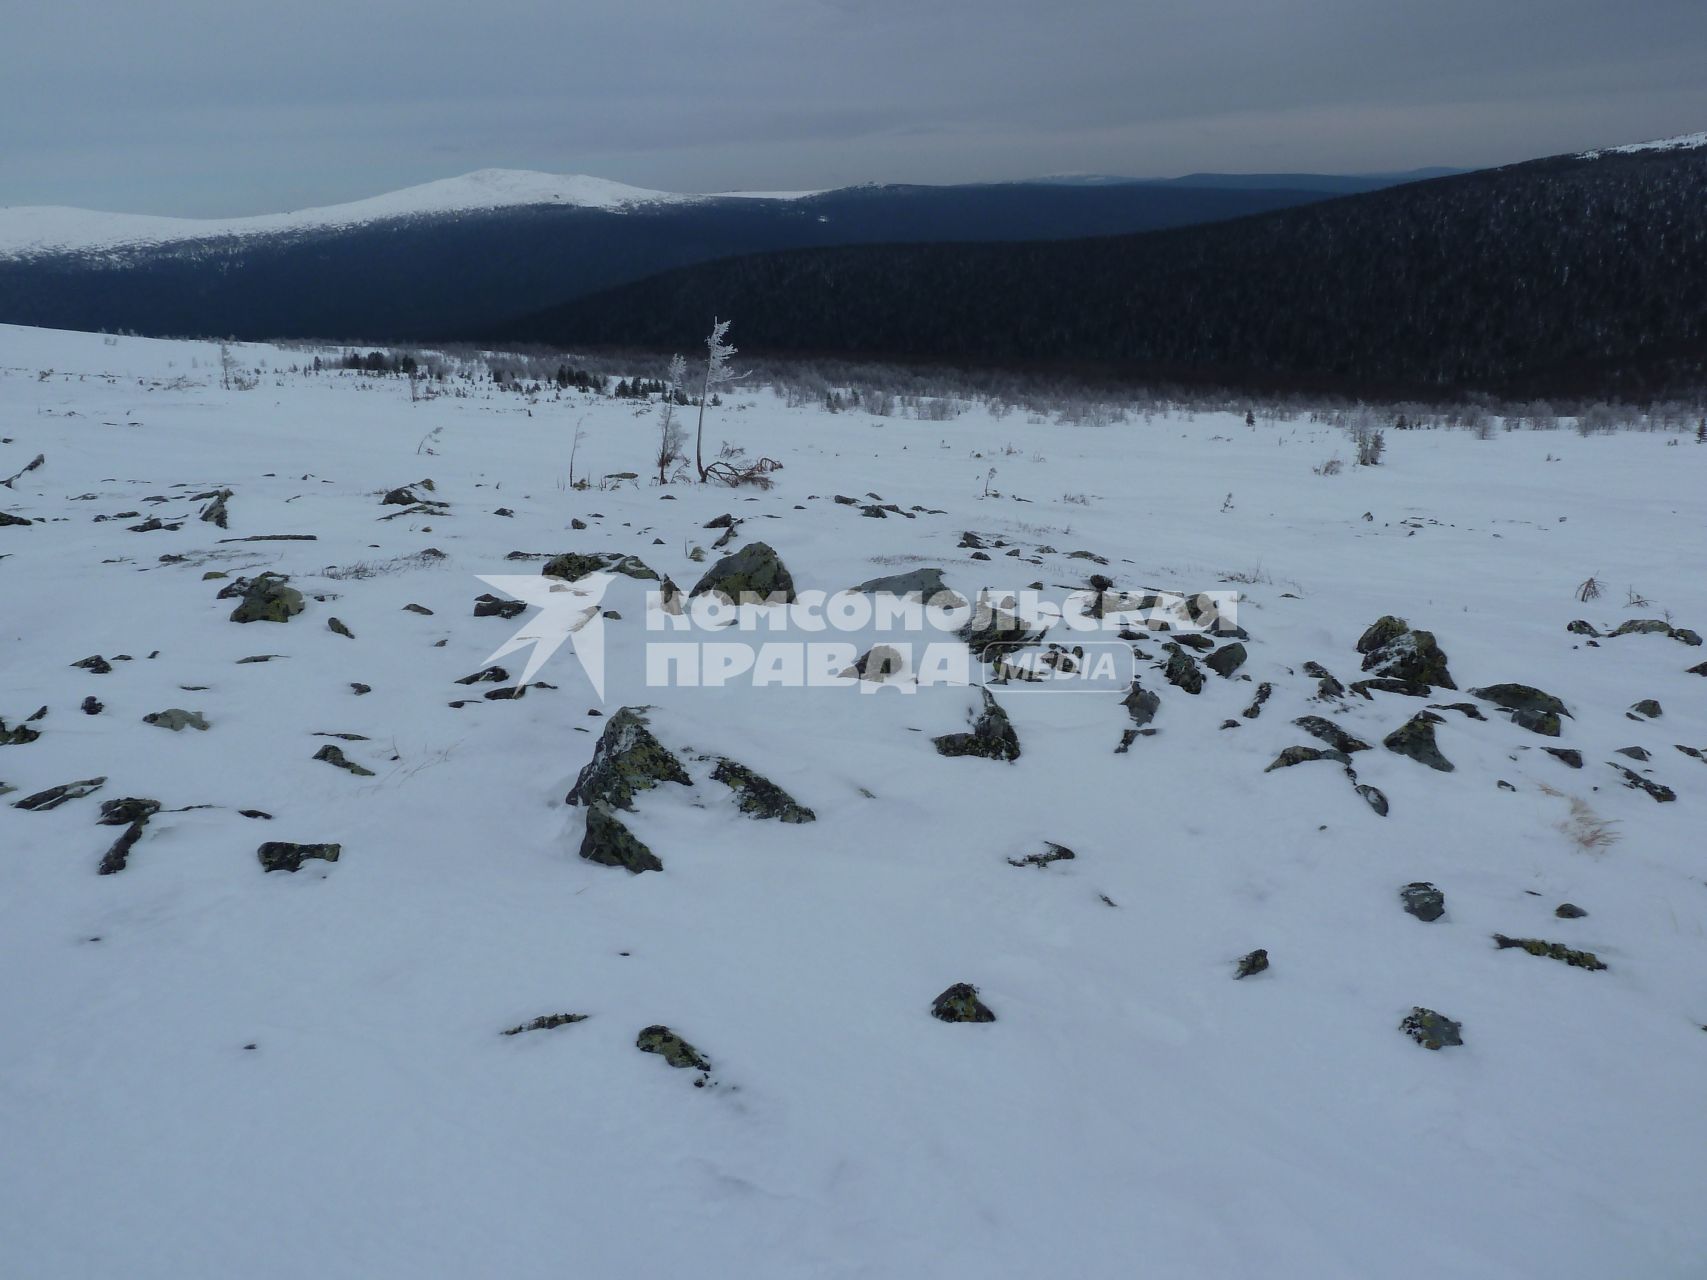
(27, 230)
(207, 1069)
(1682, 142)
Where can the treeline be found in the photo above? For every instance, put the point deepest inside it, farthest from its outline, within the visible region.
(1561, 277)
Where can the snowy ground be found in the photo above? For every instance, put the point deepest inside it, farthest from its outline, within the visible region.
(207, 1070)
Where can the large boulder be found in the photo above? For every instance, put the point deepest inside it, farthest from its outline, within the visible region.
(571, 566)
(266, 598)
(627, 759)
(1415, 738)
(1412, 660)
(755, 572)
(1530, 708)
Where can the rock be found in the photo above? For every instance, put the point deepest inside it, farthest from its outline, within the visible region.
(1415, 738)
(358, 688)
(1141, 704)
(1647, 707)
(18, 735)
(993, 630)
(1570, 757)
(487, 605)
(1052, 853)
(960, 1003)
(335, 756)
(1330, 733)
(119, 813)
(1468, 709)
(1699, 669)
(545, 1022)
(418, 608)
(920, 584)
(1226, 660)
(1635, 753)
(266, 598)
(55, 796)
(671, 1047)
(1303, 755)
(1530, 708)
(1327, 688)
(992, 736)
(758, 796)
(1636, 782)
(336, 625)
(1430, 1029)
(281, 855)
(1643, 627)
(1250, 965)
(1422, 900)
(1181, 670)
(1552, 951)
(176, 719)
(608, 842)
(1375, 798)
(95, 664)
(1393, 651)
(1194, 640)
(6, 519)
(1688, 637)
(877, 664)
(572, 566)
(215, 512)
(489, 675)
(1581, 628)
(627, 759)
(93, 706)
(1569, 911)
(755, 572)
(1265, 690)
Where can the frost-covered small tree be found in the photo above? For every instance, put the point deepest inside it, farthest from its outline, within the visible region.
(717, 372)
(671, 436)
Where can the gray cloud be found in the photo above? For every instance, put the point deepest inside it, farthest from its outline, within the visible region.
(197, 107)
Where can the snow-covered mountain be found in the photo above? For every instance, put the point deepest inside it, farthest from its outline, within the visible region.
(27, 230)
(1682, 142)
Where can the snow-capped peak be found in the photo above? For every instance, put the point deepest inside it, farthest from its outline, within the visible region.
(28, 230)
(1682, 142)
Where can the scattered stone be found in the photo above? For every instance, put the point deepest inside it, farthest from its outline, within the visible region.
(215, 511)
(418, 608)
(176, 719)
(6, 518)
(1570, 757)
(1376, 799)
(1250, 965)
(1415, 738)
(266, 598)
(672, 1048)
(1226, 660)
(1194, 640)
(335, 756)
(336, 625)
(1635, 753)
(359, 688)
(1265, 690)
(1552, 951)
(281, 855)
(1530, 708)
(1469, 709)
(992, 736)
(1053, 853)
(53, 797)
(487, 605)
(759, 797)
(960, 1003)
(95, 664)
(1141, 704)
(1422, 900)
(920, 584)
(1569, 911)
(1582, 628)
(1330, 733)
(993, 630)
(1636, 782)
(754, 573)
(93, 706)
(546, 1022)
(1430, 1029)
(18, 735)
(490, 675)
(1181, 670)
(1303, 755)
(1647, 707)
(258, 657)
(572, 566)
(609, 842)
(1327, 687)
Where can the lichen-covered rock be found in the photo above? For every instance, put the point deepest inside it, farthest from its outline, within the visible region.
(759, 797)
(282, 855)
(608, 842)
(572, 566)
(487, 605)
(1141, 704)
(119, 813)
(1328, 688)
(1529, 707)
(338, 627)
(1330, 733)
(1648, 708)
(1568, 756)
(960, 1003)
(920, 584)
(1643, 627)
(1415, 738)
(1252, 964)
(215, 512)
(1265, 691)
(266, 598)
(176, 719)
(95, 664)
(546, 1022)
(1552, 951)
(1227, 659)
(993, 630)
(1430, 1029)
(676, 1051)
(335, 756)
(1581, 627)
(1304, 755)
(1393, 651)
(754, 573)
(992, 736)
(1636, 782)
(627, 759)
(7, 518)
(18, 735)
(53, 797)
(1181, 670)
(1422, 900)
(1569, 911)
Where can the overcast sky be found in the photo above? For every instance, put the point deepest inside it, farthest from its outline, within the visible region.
(227, 107)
